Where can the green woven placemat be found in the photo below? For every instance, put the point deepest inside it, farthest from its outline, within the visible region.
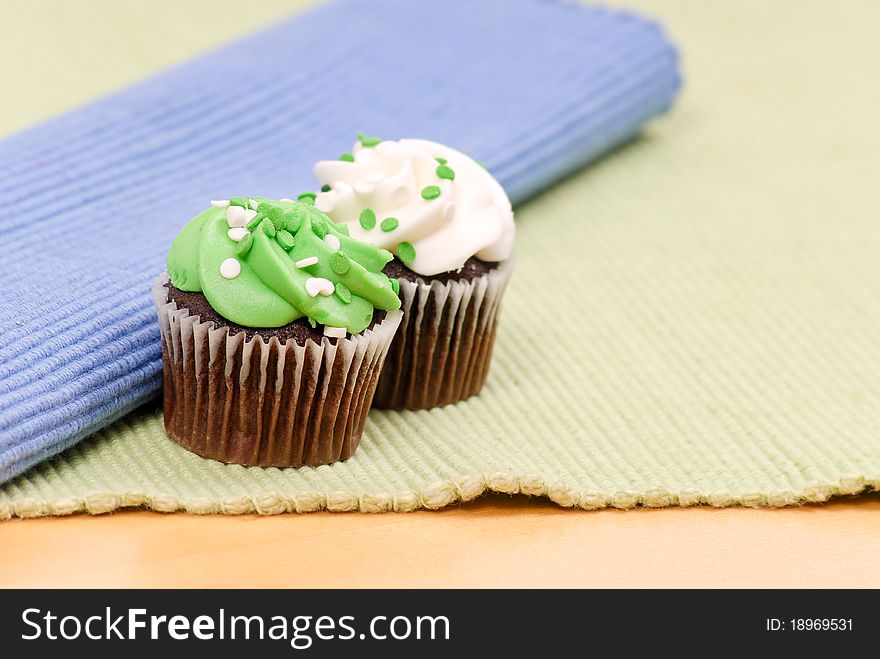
(694, 320)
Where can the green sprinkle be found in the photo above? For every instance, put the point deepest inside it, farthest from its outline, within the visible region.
(245, 244)
(406, 252)
(343, 293)
(275, 215)
(239, 201)
(307, 198)
(430, 192)
(347, 157)
(389, 224)
(255, 222)
(444, 171)
(367, 219)
(339, 263)
(319, 227)
(442, 161)
(395, 286)
(343, 229)
(268, 227)
(368, 142)
(285, 239)
(293, 220)
(312, 323)
(325, 188)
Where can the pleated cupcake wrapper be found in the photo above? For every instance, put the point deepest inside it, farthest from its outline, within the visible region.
(266, 403)
(444, 345)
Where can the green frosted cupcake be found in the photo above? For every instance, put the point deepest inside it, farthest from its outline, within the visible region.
(275, 326)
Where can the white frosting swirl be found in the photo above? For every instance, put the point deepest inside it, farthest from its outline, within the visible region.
(471, 217)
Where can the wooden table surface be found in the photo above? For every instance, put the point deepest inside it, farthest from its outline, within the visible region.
(495, 541)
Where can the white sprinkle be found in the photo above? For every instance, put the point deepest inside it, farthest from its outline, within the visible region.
(253, 203)
(236, 216)
(237, 233)
(334, 332)
(306, 262)
(289, 201)
(315, 285)
(230, 269)
(220, 203)
(363, 188)
(249, 215)
(332, 241)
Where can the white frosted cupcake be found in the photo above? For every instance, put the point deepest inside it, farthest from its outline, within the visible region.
(450, 226)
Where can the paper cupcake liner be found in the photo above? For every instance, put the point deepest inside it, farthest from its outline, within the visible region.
(262, 402)
(444, 345)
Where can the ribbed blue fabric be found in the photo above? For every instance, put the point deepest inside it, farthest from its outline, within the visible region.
(533, 89)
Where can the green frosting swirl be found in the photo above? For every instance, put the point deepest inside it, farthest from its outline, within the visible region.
(270, 289)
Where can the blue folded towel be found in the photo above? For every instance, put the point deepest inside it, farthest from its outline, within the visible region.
(93, 198)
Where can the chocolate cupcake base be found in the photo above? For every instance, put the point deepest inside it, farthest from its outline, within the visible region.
(266, 402)
(442, 351)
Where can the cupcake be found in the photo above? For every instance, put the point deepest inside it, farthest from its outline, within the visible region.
(450, 227)
(275, 325)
